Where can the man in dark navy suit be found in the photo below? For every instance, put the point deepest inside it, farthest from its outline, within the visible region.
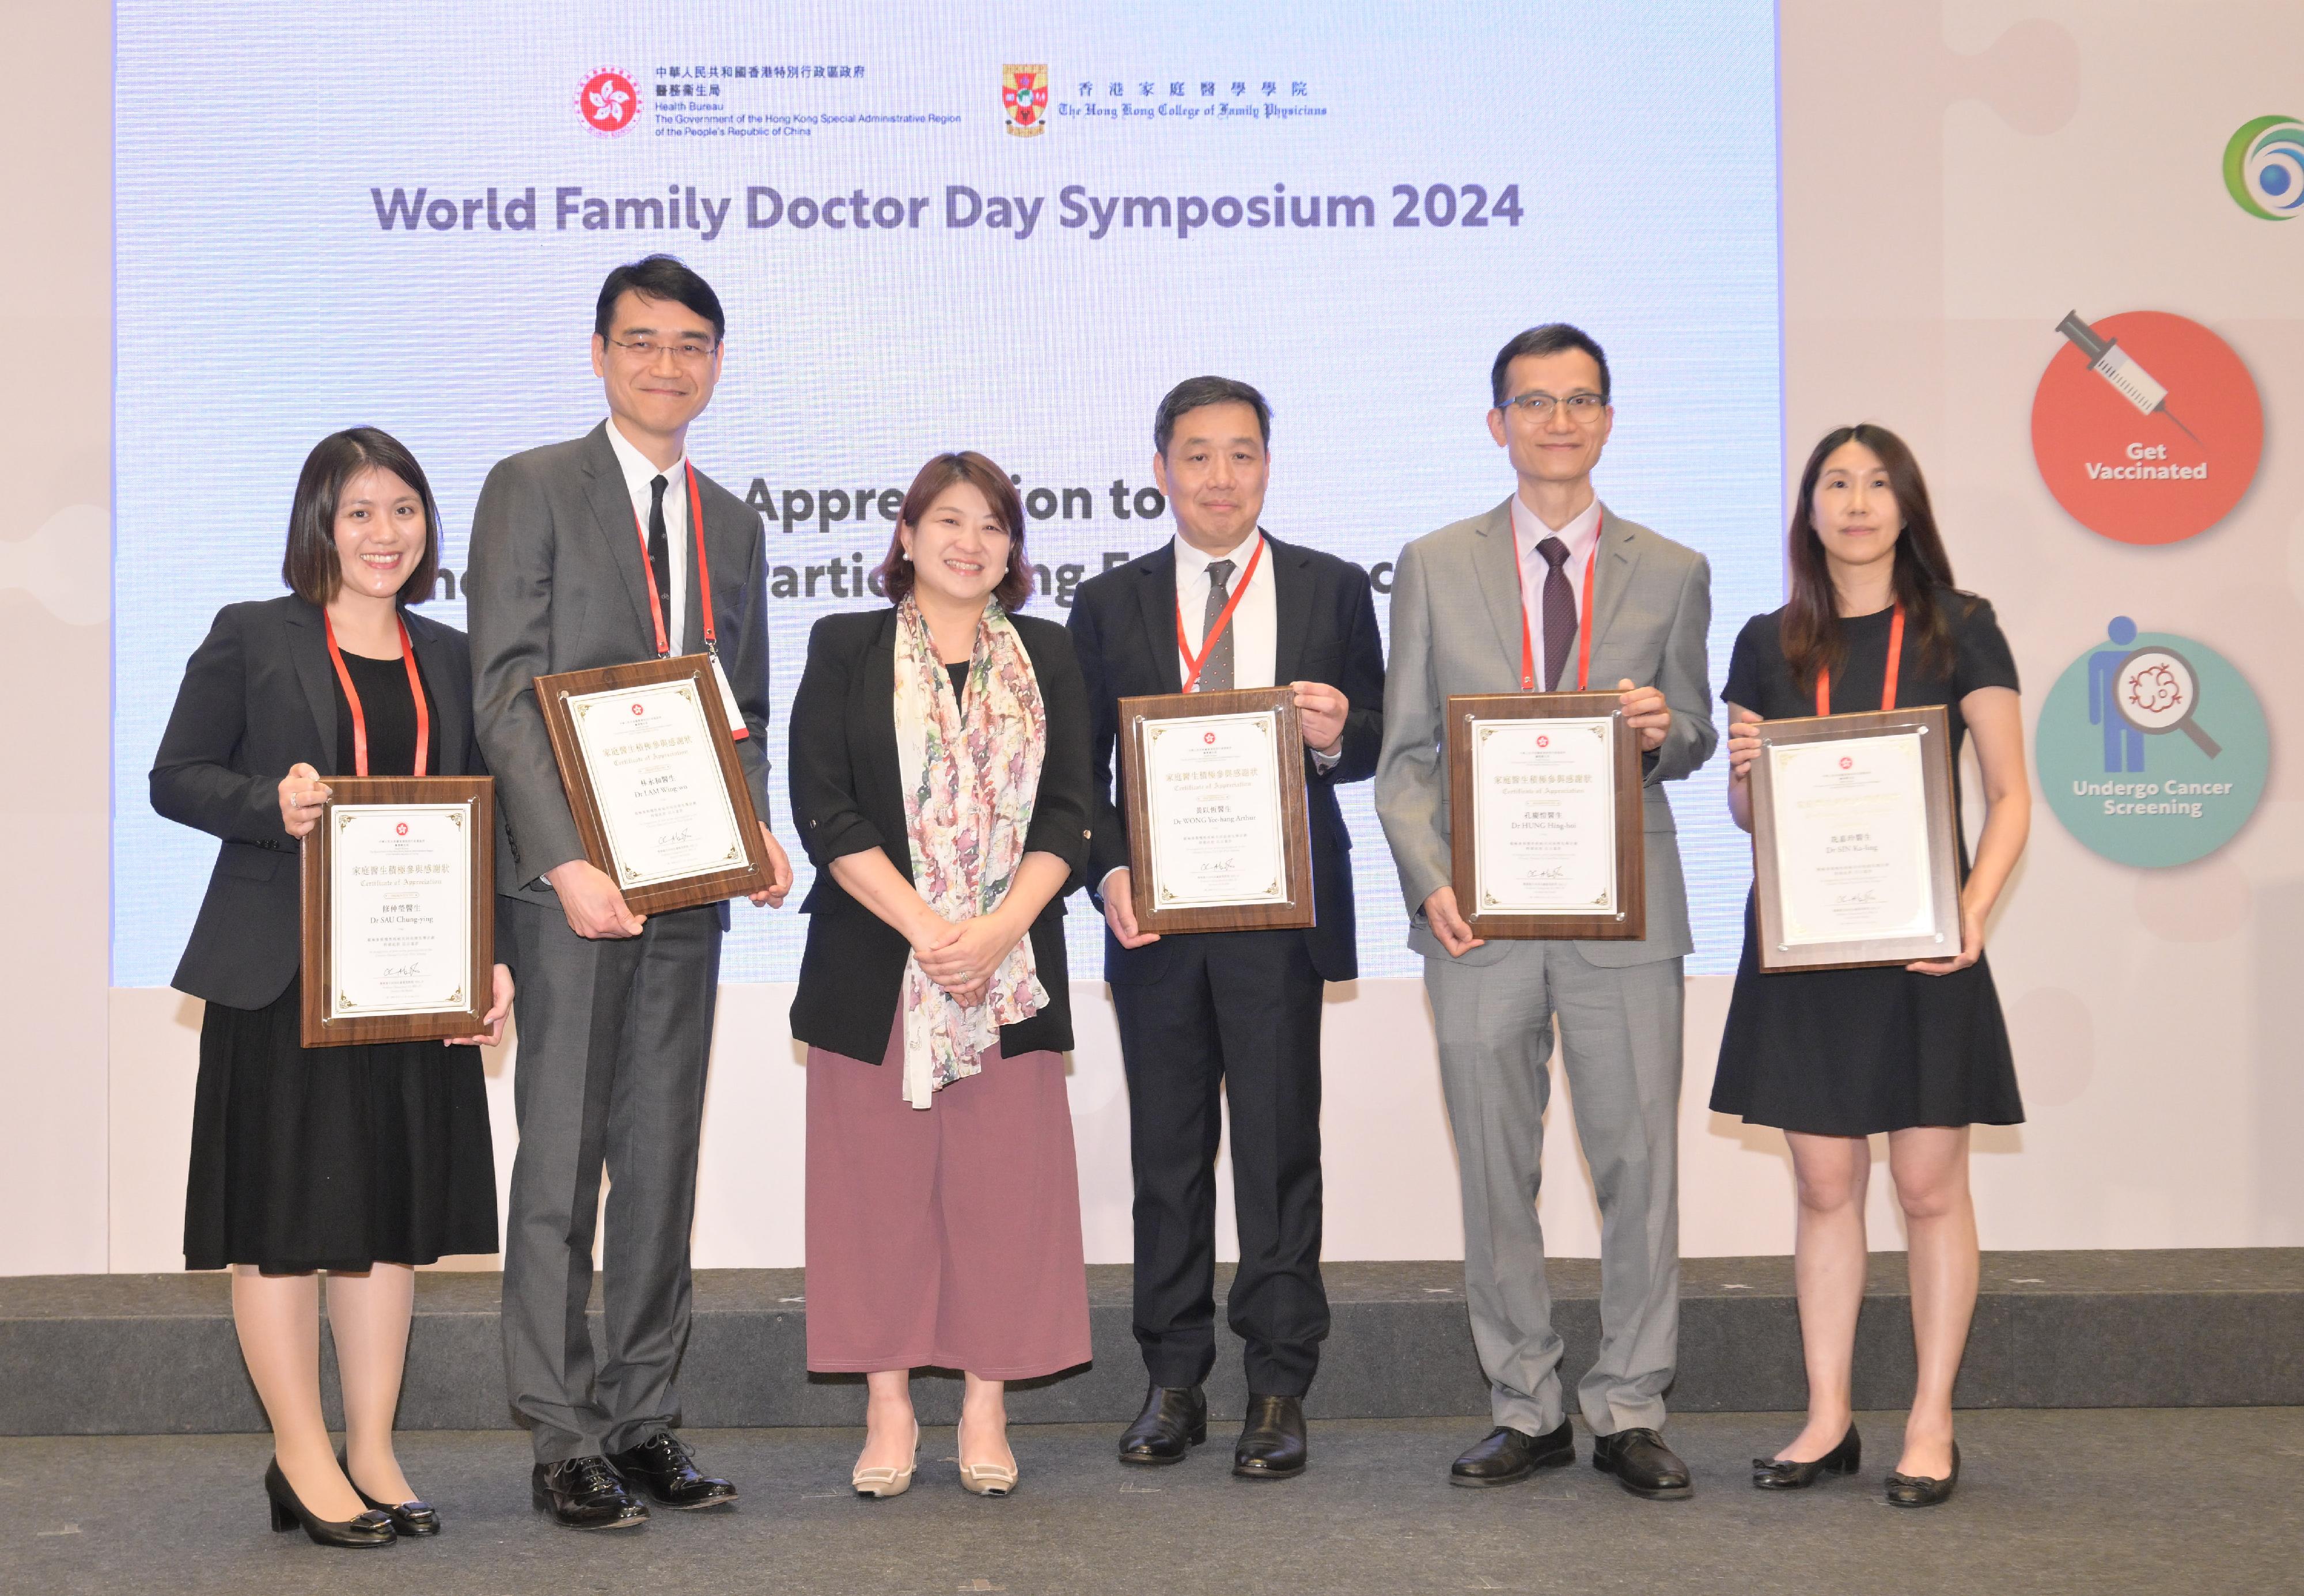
(1237, 1013)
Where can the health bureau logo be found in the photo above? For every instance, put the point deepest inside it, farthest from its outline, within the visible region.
(2263, 168)
(608, 101)
(1024, 96)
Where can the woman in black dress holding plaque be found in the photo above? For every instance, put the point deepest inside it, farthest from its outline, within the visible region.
(1919, 1052)
(360, 1161)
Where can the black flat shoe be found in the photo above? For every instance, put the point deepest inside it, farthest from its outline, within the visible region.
(1774, 1473)
(408, 1518)
(661, 1466)
(584, 1494)
(1508, 1456)
(372, 1528)
(1272, 1444)
(1917, 1491)
(1642, 1464)
(1175, 1420)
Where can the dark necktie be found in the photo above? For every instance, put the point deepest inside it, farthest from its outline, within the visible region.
(1215, 667)
(660, 557)
(1559, 612)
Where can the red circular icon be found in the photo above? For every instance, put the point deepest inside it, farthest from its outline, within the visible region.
(1543, 741)
(1846, 763)
(639, 710)
(2146, 426)
(401, 830)
(608, 102)
(1207, 737)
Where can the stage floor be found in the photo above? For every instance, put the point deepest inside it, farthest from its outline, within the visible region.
(2101, 1500)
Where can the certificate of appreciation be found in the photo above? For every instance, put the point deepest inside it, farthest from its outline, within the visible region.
(400, 897)
(655, 772)
(1855, 859)
(1219, 837)
(1544, 795)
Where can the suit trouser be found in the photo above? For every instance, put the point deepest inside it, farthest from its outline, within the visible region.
(1619, 1033)
(614, 1037)
(1236, 1012)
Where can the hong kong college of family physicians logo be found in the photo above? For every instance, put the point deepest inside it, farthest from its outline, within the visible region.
(1024, 95)
(2263, 168)
(609, 101)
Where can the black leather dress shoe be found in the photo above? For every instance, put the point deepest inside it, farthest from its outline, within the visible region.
(1774, 1473)
(408, 1518)
(1272, 1444)
(1508, 1456)
(1175, 1420)
(1642, 1464)
(1917, 1491)
(661, 1466)
(583, 1493)
(371, 1528)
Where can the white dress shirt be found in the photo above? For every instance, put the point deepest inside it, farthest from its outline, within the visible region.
(1580, 535)
(1255, 621)
(640, 472)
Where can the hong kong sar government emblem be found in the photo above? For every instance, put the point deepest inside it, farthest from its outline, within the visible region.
(1024, 92)
(608, 101)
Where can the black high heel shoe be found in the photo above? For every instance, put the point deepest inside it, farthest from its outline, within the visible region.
(1774, 1473)
(371, 1528)
(1917, 1491)
(408, 1518)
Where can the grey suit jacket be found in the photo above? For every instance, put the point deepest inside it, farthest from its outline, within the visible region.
(556, 584)
(1456, 628)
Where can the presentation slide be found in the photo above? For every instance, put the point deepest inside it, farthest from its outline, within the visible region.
(999, 227)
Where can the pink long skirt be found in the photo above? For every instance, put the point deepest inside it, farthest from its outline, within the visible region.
(946, 1237)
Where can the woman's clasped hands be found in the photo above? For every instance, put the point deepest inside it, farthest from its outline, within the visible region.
(962, 958)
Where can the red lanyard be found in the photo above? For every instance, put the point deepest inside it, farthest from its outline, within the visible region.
(1223, 620)
(1583, 632)
(703, 571)
(351, 696)
(1888, 682)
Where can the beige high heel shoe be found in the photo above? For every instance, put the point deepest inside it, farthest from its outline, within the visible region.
(986, 1479)
(881, 1483)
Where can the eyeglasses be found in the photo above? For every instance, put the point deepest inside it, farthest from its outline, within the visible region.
(688, 349)
(1583, 409)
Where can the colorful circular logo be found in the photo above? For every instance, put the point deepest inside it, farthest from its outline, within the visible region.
(2153, 750)
(609, 101)
(2264, 167)
(2146, 426)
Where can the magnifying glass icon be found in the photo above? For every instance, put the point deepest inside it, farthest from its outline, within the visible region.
(2157, 691)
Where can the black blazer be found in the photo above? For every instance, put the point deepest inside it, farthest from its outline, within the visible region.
(1124, 629)
(847, 797)
(259, 697)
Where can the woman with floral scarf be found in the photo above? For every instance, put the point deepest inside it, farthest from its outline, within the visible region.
(940, 781)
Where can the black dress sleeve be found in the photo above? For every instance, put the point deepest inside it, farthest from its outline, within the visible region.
(1747, 676)
(1980, 654)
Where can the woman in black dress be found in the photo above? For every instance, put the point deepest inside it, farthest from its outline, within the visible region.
(1833, 1057)
(361, 1162)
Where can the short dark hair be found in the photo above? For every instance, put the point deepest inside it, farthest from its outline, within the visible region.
(659, 277)
(1553, 338)
(310, 566)
(1195, 393)
(895, 572)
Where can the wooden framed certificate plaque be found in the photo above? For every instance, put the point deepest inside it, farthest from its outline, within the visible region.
(1545, 828)
(650, 769)
(1855, 860)
(1219, 835)
(399, 879)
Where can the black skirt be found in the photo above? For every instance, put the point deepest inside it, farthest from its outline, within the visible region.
(1852, 1052)
(334, 1158)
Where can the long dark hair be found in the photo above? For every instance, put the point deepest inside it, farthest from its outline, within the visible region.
(310, 565)
(1812, 636)
(895, 572)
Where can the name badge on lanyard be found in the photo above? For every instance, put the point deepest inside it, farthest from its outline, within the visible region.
(728, 704)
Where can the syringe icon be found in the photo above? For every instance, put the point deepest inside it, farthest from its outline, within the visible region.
(2109, 361)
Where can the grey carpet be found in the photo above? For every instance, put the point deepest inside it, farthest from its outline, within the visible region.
(2051, 1501)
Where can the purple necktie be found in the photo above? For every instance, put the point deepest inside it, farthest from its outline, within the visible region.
(1559, 612)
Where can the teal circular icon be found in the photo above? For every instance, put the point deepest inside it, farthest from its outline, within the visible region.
(2152, 749)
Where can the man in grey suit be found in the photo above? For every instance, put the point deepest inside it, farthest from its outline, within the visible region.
(583, 555)
(1548, 591)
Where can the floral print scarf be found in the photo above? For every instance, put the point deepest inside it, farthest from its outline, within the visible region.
(968, 788)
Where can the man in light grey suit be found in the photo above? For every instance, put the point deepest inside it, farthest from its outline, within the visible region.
(1548, 591)
(583, 555)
